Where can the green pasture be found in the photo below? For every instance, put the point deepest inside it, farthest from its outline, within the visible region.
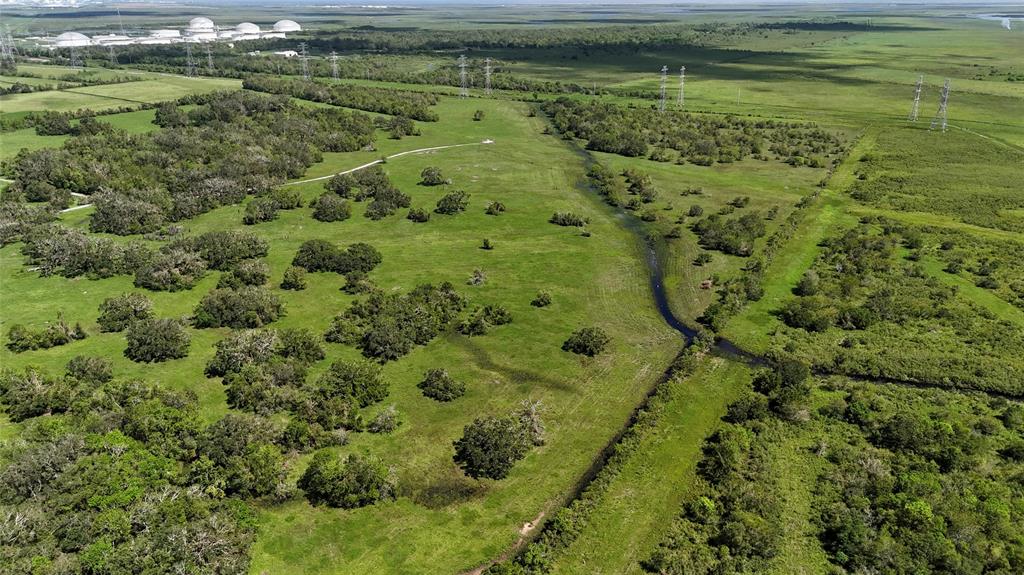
(629, 519)
(443, 521)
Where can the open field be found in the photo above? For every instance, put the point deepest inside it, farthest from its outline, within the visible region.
(889, 269)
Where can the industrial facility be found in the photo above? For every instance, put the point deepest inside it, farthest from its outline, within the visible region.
(199, 29)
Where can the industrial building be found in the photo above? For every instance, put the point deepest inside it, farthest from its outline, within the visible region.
(199, 29)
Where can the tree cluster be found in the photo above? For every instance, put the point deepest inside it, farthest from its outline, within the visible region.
(386, 326)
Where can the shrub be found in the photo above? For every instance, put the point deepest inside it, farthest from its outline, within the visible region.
(359, 380)
(702, 258)
(331, 208)
(242, 348)
(437, 384)
(155, 340)
(294, 279)
(342, 185)
(495, 209)
(223, 249)
(129, 212)
(386, 421)
(89, 369)
(419, 215)
(478, 115)
(357, 481)
(695, 211)
(117, 313)
(245, 273)
(431, 176)
(542, 299)
(481, 320)
(173, 270)
(300, 344)
(322, 256)
(490, 446)
(247, 306)
(588, 341)
(21, 338)
(486, 245)
(453, 203)
(568, 219)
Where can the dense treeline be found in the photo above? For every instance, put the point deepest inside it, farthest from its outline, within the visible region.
(53, 249)
(907, 481)
(415, 105)
(697, 139)
(862, 309)
(119, 477)
(229, 145)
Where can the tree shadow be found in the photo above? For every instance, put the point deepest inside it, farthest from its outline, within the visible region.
(449, 490)
(514, 375)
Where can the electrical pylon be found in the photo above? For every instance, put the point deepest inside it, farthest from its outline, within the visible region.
(463, 87)
(917, 99)
(487, 76)
(681, 99)
(334, 65)
(664, 78)
(190, 62)
(940, 115)
(304, 61)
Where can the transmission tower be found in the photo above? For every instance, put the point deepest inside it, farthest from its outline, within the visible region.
(74, 59)
(917, 99)
(6, 50)
(305, 62)
(463, 87)
(209, 60)
(681, 99)
(112, 55)
(334, 65)
(487, 76)
(940, 116)
(190, 63)
(664, 78)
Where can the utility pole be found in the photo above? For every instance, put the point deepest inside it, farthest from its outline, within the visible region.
(917, 99)
(334, 65)
(940, 115)
(463, 87)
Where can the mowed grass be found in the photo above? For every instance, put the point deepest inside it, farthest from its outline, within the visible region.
(443, 522)
(107, 96)
(630, 519)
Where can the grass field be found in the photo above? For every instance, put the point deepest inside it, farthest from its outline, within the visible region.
(593, 280)
(112, 95)
(629, 520)
(964, 183)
